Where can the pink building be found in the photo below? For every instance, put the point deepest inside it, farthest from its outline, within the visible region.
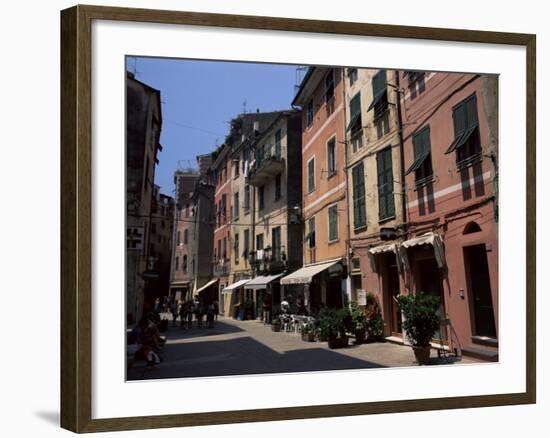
(450, 137)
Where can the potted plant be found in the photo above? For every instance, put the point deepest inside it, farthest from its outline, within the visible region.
(333, 324)
(421, 321)
(308, 332)
(374, 328)
(276, 325)
(358, 323)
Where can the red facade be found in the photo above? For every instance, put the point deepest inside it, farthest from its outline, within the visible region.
(450, 154)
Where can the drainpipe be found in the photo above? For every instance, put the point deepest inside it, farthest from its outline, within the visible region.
(348, 232)
(401, 151)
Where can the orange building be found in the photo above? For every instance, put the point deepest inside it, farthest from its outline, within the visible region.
(322, 281)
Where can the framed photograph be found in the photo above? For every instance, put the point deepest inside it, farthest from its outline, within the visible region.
(292, 219)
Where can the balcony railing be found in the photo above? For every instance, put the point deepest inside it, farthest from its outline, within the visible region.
(221, 268)
(268, 163)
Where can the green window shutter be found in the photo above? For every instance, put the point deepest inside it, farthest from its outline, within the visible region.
(379, 82)
(333, 223)
(278, 144)
(311, 175)
(386, 205)
(379, 93)
(355, 105)
(359, 206)
(355, 122)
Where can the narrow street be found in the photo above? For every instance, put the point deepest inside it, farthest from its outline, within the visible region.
(248, 347)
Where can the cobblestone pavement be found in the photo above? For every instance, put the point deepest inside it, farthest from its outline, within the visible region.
(249, 347)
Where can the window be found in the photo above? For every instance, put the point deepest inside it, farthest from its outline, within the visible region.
(355, 122)
(333, 223)
(359, 204)
(352, 75)
(224, 254)
(466, 127)
(329, 86)
(179, 238)
(278, 144)
(380, 94)
(177, 263)
(219, 248)
(422, 164)
(223, 207)
(236, 247)
(417, 83)
(184, 264)
(331, 156)
(309, 113)
(236, 205)
(276, 243)
(278, 187)
(357, 142)
(311, 175)
(261, 197)
(236, 167)
(386, 206)
(259, 241)
(246, 205)
(185, 235)
(186, 210)
(310, 237)
(382, 125)
(246, 243)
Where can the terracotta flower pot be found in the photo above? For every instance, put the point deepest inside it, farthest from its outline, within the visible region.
(334, 342)
(422, 354)
(276, 327)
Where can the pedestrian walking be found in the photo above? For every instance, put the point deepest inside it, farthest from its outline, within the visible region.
(189, 311)
(174, 310)
(216, 309)
(210, 313)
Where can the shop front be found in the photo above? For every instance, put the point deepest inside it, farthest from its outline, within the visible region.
(316, 286)
(265, 293)
(233, 296)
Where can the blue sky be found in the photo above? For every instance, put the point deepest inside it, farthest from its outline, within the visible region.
(199, 98)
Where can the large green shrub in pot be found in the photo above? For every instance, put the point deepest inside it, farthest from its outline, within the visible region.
(421, 319)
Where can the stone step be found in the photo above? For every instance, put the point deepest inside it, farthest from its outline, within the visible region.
(480, 352)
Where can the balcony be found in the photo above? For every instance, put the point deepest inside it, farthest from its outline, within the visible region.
(221, 268)
(269, 260)
(267, 165)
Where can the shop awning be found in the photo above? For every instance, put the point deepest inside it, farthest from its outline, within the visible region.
(206, 286)
(235, 285)
(261, 281)
(305, 275)
(429, 239)
(390, 247)
(425, 239)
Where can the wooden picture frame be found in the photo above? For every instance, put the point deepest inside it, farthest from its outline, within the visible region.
(76, 217)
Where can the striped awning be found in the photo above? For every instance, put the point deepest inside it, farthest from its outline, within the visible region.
(390, 247)
(305, 275)
(261, 281)
(206, 286)
(236, 285)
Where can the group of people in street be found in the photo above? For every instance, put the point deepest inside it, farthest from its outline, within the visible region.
(187, 311)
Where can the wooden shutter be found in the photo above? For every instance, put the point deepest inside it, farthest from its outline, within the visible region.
(359, 207)
(385, 184)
